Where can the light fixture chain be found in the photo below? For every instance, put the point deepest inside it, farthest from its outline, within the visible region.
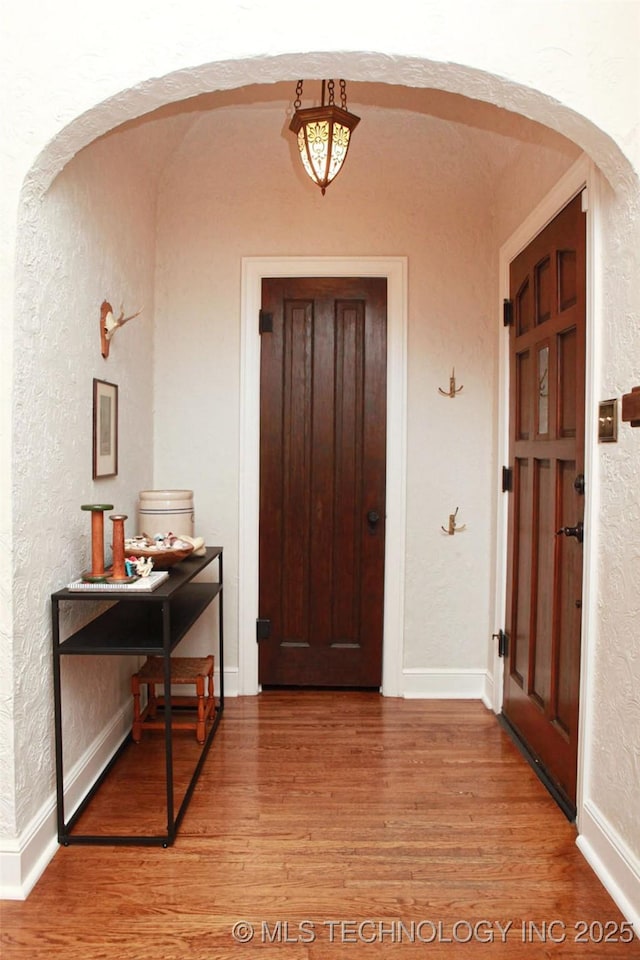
(331, 85)
(298, 101)
(343, 94)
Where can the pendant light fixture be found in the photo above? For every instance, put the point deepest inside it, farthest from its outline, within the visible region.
(323, 133)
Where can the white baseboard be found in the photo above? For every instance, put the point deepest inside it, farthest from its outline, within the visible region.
(617, 868)
(418, 683)
(24, 859)
(489, 692)
(231, 682)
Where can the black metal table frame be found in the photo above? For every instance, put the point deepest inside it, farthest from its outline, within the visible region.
(81, 643)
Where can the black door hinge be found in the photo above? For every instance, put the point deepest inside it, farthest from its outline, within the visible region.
(579, 484)
(507, 479)
(503, 643)
(265, 322)
(507, 313)
(263, 630)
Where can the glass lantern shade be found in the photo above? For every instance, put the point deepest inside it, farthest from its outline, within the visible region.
(323, 140)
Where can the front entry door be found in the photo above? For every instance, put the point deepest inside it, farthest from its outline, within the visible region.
(547, 373)
(322, 481)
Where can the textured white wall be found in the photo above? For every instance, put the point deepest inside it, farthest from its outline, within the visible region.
(614, 769)
(93, 237)
(67, 76)
(565, 50)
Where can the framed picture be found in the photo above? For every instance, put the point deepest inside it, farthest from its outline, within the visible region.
(105, 429)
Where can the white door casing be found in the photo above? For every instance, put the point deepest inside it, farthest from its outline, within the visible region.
(253, 270)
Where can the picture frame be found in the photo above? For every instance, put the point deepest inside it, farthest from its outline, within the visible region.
(105, 429)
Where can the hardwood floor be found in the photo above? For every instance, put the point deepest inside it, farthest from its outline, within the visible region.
(335, 824)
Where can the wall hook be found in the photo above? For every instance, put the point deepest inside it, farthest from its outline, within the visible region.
(451, 392)
(453, 527)
(109, 324)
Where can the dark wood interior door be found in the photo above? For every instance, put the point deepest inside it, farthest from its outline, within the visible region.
(322, 481)
(544, 593)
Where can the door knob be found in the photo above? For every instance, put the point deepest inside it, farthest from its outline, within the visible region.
(372, 518)
(577, 531)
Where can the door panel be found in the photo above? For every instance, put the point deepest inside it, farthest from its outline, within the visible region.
(547, 355)
(322, 474)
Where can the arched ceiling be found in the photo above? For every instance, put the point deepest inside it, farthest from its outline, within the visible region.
(166, 127)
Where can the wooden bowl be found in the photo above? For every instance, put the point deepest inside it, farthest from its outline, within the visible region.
(162, 559)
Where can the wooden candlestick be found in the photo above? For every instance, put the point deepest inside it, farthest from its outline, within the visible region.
(97, 571)
(119, 572)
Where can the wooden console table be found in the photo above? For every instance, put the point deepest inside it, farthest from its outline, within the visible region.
(138, 624)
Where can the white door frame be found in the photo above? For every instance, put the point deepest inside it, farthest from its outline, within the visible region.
(580, 176)
(253, 271)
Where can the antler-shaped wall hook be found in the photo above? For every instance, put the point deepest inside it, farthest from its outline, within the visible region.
(453, 527)
(109, 324)
(451, 392)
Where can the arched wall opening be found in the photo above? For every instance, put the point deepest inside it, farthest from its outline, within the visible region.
(467, 81)
(150, 249)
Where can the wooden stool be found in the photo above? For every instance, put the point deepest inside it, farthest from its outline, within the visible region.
(184, 670)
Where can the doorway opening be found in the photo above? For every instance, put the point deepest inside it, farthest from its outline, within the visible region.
(579, 187)
(394, 270)
(544, 590)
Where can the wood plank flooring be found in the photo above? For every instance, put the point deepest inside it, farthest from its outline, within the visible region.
(332, 824)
